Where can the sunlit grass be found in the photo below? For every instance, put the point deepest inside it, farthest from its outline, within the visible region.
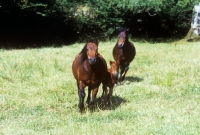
(161, 94)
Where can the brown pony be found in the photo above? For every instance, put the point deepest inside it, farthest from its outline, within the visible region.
(89, 69)
(123, 53)
(110, 81)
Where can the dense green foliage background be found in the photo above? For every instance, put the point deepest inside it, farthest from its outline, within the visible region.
(64, 21)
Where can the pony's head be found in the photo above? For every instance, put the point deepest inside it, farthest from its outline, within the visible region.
(92, 51)
(114, 71)
(122, 37)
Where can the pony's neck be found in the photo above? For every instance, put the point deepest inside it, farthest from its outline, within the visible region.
(126, 40)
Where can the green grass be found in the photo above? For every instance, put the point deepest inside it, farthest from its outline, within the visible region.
(161, 94)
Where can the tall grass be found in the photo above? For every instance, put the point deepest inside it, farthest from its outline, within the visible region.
(160, 95)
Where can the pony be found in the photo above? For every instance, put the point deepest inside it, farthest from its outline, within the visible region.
(89, 69)
(110, 81)
(123, 52)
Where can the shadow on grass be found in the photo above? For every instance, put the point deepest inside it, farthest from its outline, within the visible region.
(134, 79)
(114, 103)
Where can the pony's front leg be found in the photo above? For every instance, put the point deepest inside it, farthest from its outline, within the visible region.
(109, 94)
(121, 73)
(104, 94)
(94, 93)
(81, 94)
(126, 68)
(89, 96)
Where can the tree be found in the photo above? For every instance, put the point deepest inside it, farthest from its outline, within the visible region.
(100, 18)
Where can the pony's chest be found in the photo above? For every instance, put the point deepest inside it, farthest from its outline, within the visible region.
(91, 76)
(120, 54)
(92, 80)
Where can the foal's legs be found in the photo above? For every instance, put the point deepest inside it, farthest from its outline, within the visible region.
(109, 94)
(105, 91)
(104, 94)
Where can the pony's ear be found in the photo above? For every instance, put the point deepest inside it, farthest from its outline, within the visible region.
(127, 29)
(96, 41)
(123, 29)
(87, 40)
(120, 29)
(111, 62)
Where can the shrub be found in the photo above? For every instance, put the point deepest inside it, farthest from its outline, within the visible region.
(100, 18)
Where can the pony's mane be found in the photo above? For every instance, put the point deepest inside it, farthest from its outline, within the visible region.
(84, 49)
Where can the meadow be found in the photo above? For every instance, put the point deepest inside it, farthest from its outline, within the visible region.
(160, 95)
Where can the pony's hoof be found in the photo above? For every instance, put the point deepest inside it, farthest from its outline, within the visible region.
(122, 79)
(81, 111)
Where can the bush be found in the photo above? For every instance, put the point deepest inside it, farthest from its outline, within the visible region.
(100, 18)
(151, 18)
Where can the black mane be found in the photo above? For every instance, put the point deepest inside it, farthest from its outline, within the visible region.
(84, 49)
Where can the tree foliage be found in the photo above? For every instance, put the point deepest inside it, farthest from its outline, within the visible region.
(100, 18)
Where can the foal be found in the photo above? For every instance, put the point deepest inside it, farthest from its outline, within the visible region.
(110, 81)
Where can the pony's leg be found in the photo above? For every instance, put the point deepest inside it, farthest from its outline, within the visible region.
(94, 93)
(109, 94)
(126, 68)
(105, 91)
(121, 73)
(89, 96)
(118, 70)
(81, 94)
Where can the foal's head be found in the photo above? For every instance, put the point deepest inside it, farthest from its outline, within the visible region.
(92, 51)
(122, 37)
(114, 71)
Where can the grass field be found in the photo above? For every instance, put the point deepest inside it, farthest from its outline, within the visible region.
(161, 94)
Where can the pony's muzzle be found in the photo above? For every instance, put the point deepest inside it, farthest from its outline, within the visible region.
(120, 45)
(120, 42)
(115, 74)
(92, 60)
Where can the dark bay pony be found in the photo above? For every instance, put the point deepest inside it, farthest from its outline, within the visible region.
(110, 81)
(123, 53)
(89, 69)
